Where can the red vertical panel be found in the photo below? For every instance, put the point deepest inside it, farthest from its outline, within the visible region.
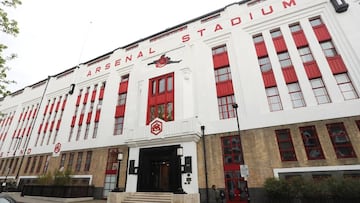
(93, 95)
(40, 128)
(34, 113)
(85, 98)
(28, 131)
(46, 126)
(289, 75)
(224, 88)
(220, 60)
(57, 106)
(97, 115)
(101, 95)
(51, 108)
(73, 121)
(120, 111)
(29, 114)
(81, 119)
(78, 100)
(299, 38)
(52, 126)
(20, 117)
(321, 32)
(88, 119)
(46, 108)
(58, 124)
(279, 44)
(261, 49)
(23, 132)
(312, 70)
(269, 78)
(336, 64)
(25, 115)
(63, 105)
(14, 133)
(123, 87)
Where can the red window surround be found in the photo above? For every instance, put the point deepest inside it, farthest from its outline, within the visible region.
(321, 32)
(261, 49)
(300, 38)
(336, 64)
(289, 74)
(123, 86)
(312, 70)
(220, 60)
(279, 44)
(120, 111)
(224, 88)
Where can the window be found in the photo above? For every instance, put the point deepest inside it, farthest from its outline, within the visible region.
(161, 98)
(346, 87)
(219, 50)
(328, 49)
(284, 59)
(119, 125)
(311, 143)
(305, 54)
(87, 129)
(222, 74)
(96, 125)
(295, 27)
(225, 107)
(79, 161)
(258, 38)
(265, 64)
(78, 133)
(275, 33)
(38, 168)
(340, 140)
(62, 161)
(286, 147)
(296, 95)
(122, 99)
(232, 152)
(274, 99)
(71, 161)
(315, 21)
(320, 92)
(26, 166)
(88, 160)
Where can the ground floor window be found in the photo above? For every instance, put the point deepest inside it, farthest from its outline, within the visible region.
(110, 182)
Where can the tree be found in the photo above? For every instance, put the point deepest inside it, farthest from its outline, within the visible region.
(9, 27)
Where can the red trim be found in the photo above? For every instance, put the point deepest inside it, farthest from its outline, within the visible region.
(97, 115)
(93, 95)
(336, 64)
(110, 172)
(39, 128)
(261, 49)
(28, 132)
(73, 121)
(88, 119)
(52, 125)
(120, 111)
(34, 113)
(224, 88)
(221, 60)
(85, 97)
(300, 38)
(81, 119)
(51, 108)
(123, 86)
(63, 105)
(78, 100)
(321, 32)
(269, 78)
(57, 106)
(312, 70)
(289, 74)
(279, 44)
(46, 108)
(58, 124)
(24, 116)
(46, 126)
(101, 95)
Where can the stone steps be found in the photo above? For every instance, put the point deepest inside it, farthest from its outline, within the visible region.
(149, 197)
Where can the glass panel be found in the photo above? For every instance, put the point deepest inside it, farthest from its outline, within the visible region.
(169, 83)
(169, 112)
(161, 85)
(161, 111)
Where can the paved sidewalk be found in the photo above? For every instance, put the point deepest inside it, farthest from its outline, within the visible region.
(37, 199)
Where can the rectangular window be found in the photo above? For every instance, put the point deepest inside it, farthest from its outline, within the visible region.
(232, 150)
(78, 161)
(87, 129)
(258, 38)
(119, 125)
(71, 161)
(274, 99)
(340, 140)
(88, 161)
(320, 92)
(311, 143)
(286, 146)
(296, 95)
(284, 59)
(219, 50)
(122, 99)
(226, 109)
(315, 21)
(305, 54)
(275, 33)
(295, 27)
(222, 74)
(62, 161)
(346, 87)
(96, 125)
(26, 166)
(264, 63)
(39, 166)
(328, 49)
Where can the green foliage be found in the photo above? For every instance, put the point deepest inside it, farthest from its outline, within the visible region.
(58, 178)
(10, 27)
(297, 187)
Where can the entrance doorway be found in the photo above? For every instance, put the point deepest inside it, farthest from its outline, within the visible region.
(159, 170)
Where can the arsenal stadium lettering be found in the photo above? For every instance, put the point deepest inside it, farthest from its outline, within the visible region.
(235, 21)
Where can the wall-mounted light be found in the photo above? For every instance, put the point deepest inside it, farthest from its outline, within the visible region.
(340, 5)
(180, 151)
(71, 89)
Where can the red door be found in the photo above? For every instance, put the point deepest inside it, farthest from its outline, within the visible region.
(236, 189)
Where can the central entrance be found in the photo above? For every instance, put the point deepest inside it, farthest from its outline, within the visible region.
(159, 170)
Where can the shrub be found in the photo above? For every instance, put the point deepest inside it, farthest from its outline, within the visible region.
(59, 178)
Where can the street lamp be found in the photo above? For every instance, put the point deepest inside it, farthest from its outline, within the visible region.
(119, 158)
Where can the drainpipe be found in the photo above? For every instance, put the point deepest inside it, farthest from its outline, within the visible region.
(32, 127)
(205, 164)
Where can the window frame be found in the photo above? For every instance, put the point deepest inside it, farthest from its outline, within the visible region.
(340, 140)
(311, 142)
(225, 107)
(274, 100)
(320, 89)
(288, 140)
(296, 95)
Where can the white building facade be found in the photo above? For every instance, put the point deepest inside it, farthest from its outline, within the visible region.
(167, 103)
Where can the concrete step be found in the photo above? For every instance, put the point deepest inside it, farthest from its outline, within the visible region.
(149, 197)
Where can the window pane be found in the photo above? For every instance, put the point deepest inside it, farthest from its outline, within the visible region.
(161, 85)
(169, 83)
